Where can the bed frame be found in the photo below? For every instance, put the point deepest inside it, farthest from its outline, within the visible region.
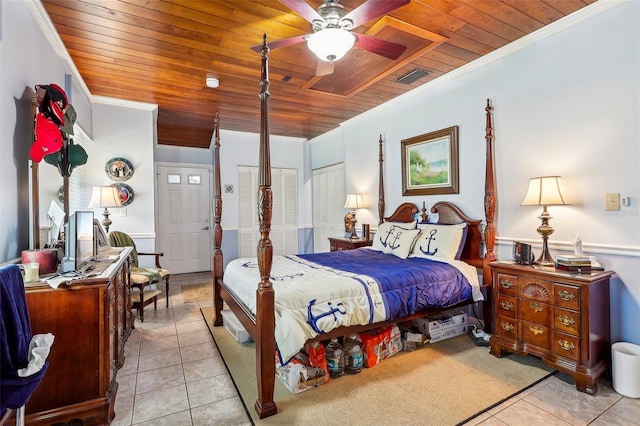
(478, 249)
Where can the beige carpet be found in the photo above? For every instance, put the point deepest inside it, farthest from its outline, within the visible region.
(444, 383)
(197, 292)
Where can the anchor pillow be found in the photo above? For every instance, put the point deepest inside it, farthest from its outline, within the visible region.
(440, 240)
(382, 234)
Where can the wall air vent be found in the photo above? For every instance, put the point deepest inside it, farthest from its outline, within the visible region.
(413, 76)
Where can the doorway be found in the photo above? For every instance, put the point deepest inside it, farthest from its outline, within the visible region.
(184, 218)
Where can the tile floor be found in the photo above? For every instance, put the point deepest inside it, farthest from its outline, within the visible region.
(173, 375)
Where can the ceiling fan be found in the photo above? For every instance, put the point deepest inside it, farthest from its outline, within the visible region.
(332, 37)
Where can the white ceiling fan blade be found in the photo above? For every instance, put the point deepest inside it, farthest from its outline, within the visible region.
(324, 68)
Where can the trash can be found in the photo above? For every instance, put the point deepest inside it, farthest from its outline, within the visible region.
(625, 361)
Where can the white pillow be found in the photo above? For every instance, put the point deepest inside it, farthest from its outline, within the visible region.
(440, 240)
(379, 239)
(400, 241)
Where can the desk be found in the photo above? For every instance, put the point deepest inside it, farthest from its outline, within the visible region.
(91, 319)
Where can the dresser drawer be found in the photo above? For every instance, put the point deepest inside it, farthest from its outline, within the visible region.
(535, 311)
(507, 327)
(507, 306)
(508, 284)
(566, 321)
(566, 296)
(535, 289)
(566, 346)
(536, 334)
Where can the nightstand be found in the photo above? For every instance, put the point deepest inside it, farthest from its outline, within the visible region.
(560, 317)
(338, 244)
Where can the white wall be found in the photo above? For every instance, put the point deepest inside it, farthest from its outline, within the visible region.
(126, 130)
(566, 104)
(26, 59)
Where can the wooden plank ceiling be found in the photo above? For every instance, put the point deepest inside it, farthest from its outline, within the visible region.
(161, 51)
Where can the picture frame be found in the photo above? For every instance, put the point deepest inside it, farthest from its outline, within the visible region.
(126, 193)
(119, 169)
(430, 163)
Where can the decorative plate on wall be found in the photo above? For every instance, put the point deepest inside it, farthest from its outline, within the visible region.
(118, 169)
(126, 193)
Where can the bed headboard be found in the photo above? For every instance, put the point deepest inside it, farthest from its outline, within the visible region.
(450, 214)
(479, 246)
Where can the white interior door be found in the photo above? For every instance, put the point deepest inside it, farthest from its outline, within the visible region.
(184, 218)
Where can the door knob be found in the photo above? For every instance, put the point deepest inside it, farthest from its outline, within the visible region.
(206, 228)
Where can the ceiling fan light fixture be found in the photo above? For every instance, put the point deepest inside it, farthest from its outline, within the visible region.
(331, 44)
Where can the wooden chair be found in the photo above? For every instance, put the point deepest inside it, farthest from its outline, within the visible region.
(143, 280)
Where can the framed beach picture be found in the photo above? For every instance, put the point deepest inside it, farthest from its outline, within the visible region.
(430, 163)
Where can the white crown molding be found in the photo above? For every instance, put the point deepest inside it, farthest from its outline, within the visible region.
(124, 103)
(42, 17)
(589, 249)
(534, 37)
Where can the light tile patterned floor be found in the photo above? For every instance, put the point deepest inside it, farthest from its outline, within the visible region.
(173, 375)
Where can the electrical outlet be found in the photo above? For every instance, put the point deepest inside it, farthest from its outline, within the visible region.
(123, 212)
(612, 202)
(624, 200)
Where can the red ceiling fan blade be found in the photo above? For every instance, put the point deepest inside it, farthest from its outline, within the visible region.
(324, 68)
(383, 48)
(303, 9)
(371, 9)
(281, 43)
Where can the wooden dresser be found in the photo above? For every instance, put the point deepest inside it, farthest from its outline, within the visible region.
(337, 244)
(560, 317)
(91, 320)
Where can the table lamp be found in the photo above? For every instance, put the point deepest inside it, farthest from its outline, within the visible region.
(544, 191)
(354, 201)
(105, 196)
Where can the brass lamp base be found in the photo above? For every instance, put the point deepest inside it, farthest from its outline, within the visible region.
(545, 230)
(106, 222)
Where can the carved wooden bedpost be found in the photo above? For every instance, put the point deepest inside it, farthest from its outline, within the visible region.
(490, 200)
(489, 194)
(380, 185)
(218, 267)
(265, 314)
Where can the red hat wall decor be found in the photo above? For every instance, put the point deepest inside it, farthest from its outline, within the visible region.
(53, 129)
(47, 138)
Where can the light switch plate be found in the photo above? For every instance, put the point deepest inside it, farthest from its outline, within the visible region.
(612, 202)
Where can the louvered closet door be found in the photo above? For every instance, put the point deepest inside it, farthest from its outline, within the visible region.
(284, 219)
(328, 205)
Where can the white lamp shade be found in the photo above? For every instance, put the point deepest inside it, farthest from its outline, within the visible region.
(331, 44)
(105, 196)
(354, 201)
(544, 191)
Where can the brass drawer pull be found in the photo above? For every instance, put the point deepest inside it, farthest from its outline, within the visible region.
(565, 345)
(536, 307)
(566, 295)
(566, 320)
(506, 326)
(535, 329)
(506, 283)
(507, 306)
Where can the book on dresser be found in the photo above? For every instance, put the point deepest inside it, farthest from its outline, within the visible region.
(577, 264)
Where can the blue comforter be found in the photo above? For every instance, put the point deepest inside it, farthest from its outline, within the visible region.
(407, 286)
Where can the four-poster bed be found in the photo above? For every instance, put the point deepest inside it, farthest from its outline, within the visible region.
(260, 319)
